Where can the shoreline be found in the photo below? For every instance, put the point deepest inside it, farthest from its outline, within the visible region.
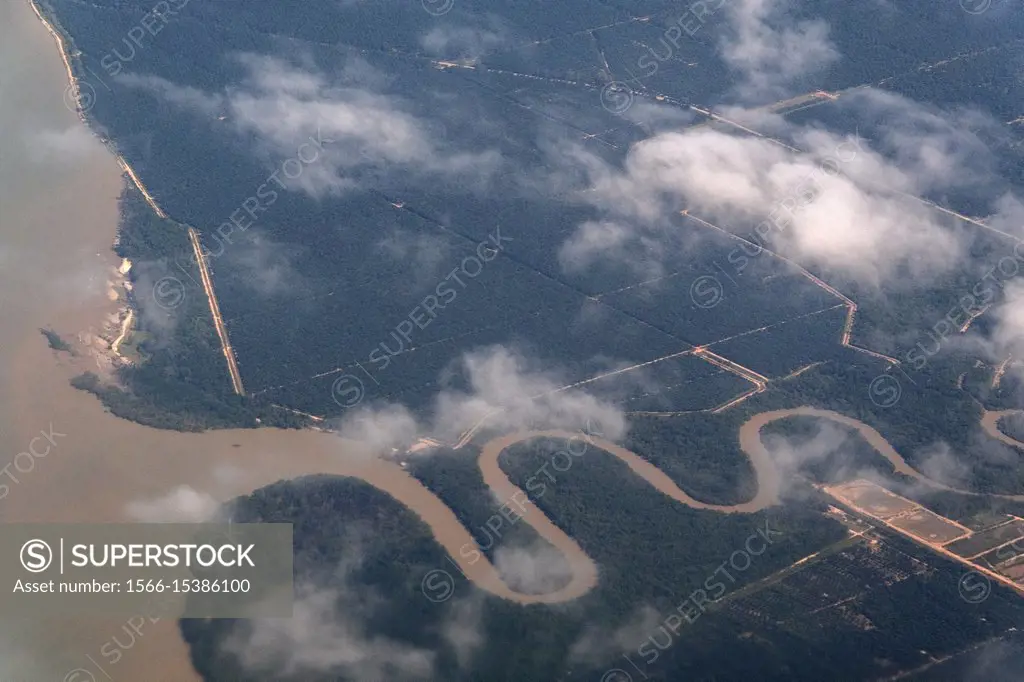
(128, 312)
(58, 38)
(119, 285)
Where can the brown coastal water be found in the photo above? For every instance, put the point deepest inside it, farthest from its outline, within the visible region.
(58, 217)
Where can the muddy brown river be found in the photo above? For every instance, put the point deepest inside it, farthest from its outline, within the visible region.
(58, 190)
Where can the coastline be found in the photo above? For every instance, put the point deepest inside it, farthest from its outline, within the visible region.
(128, 313)
(73, 85)
(68, 224)
(119, 285)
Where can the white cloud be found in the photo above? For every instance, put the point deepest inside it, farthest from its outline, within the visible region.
(181, 505)
(840, 206)
(326, 633)
(360, 130)
(460, 41)
(422, 254)
(68, 145)
(771, 51)
(514, 393)
(598, 643)
(463, 629)
(260, 263)
(594, 239)
(938, 462)
(180, 95)
(380, 427)
(934, 147)
(504, 387)
(536, 569)
(1008, 216)
(1008, 332)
